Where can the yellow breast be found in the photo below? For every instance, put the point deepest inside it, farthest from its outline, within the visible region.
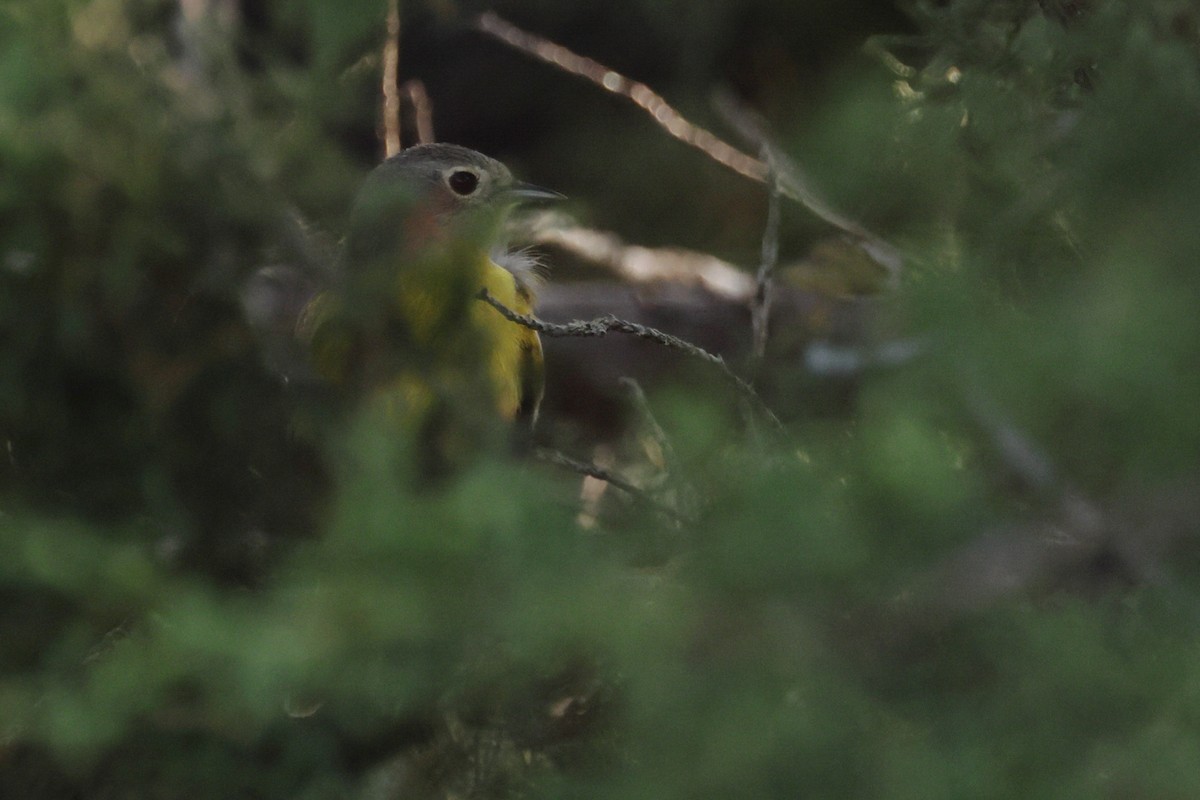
(515, 363)
(512, 353)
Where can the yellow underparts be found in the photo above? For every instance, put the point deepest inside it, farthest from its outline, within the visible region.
(515, 349)
(512, 353)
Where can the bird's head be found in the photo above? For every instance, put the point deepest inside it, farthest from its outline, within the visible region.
(424, 193)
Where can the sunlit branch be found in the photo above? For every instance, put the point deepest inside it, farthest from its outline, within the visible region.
(790, 180)
(640, 264)
(391, 82)
(418, 100)
(666, 115)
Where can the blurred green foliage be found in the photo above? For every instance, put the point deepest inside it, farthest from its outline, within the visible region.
(979, 578)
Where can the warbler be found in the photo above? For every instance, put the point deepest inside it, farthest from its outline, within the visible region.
(405, 322)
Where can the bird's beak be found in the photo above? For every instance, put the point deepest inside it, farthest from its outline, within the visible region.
(523, 192)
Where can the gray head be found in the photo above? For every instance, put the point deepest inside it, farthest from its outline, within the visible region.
(438, 184)
(454, 178)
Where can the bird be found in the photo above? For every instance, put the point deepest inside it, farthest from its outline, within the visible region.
(403, 323)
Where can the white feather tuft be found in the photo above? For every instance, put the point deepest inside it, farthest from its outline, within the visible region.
(525, 264)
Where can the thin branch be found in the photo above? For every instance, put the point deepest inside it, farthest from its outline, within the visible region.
(751, 127)
(561, 459)
(422, 110)
(602, 326)
(586, 468)
(760, 309)
(656, 430)
(639, 264)
(666, 115)
(795, 184)
(791, 180)
(685, 495)
(391, 82)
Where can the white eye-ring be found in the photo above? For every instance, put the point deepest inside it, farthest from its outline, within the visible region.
(462, 181)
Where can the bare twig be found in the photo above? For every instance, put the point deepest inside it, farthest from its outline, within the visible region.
(592, 490)
(422, 110)
(602, 326)
(656, 430)
(639, 264)
(760, 309)
(751, 127)
(790, 179)
(608, 476)
(670, 462)
(794, 183)
(685, 496)
(667, 116)
(391, 82)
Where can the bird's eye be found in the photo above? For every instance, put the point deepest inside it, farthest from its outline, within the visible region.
(462, 182)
